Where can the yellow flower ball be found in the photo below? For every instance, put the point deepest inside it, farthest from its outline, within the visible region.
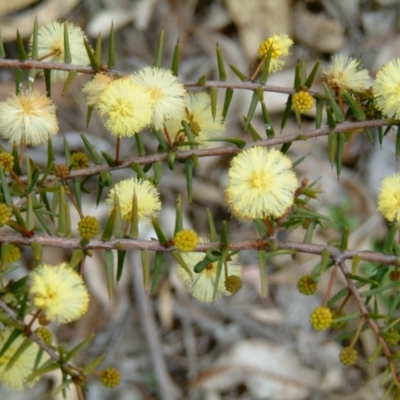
(389, 198)
(28, 118)
(147, 195)
(345, 73)
(261, 183)
(280, 47)
(60, 292)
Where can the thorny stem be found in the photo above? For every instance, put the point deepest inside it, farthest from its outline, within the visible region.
(225, 150)
(364, 314)
(73, 201)
(117, 146)
(257, 70)
(68, 368)
(29, 64)
(357, 334)
(346, 299)
(152, 245)
(16, 178)
(330, 284)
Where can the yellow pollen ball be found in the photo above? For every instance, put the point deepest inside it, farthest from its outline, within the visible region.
(302, 101)
(260, 181)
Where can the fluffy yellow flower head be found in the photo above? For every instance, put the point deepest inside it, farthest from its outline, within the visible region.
(389, 198)
(60, 292)
(199, 118)
(280, 47)
(125, 107)
(202, 285)
(166, 93)
(28, 118)
(345, 73)
(51, 46)
(15, 376)
(261, 183)
(386, 89)
(95, 87)
(148, 198)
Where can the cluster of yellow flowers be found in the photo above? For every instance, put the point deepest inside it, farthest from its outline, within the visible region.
(261, 182)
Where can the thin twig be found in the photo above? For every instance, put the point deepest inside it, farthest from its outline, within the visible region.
(166, 388)
(364, 313)
(256, 244)
(69, 368)
(220, 151)
(35, 64)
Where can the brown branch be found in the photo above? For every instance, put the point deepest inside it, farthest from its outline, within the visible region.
(364, 313)
(221, 151)
(151, 245)
(68, 368)
(35, 64)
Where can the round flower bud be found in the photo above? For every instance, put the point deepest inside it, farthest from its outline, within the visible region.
(6, 160)
(233, 283)
(348, 356)
(321, 318)
(186, 240)
(43, 320)
(79, 160)
(45, 334)
(306, 285)
(88, 227)
(302, 101)
(339, 324)
(14, 253)
(5, 214)
(62, 171)
(110, 377)
(391, 336)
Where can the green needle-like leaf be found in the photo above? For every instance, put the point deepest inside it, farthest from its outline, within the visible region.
(221, 66)
(67, 49)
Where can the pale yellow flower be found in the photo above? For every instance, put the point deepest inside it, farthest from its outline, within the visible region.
(345, 73)
(386, 89)
(261, 183)
(51, 46)
(60, 292)
(15, 376)
(148, 198)
(202, 285)
(280, 47)
(95, 87)
(199, 118)
(28, 118)
(166, 93)
(125, 107)
(389, 198)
